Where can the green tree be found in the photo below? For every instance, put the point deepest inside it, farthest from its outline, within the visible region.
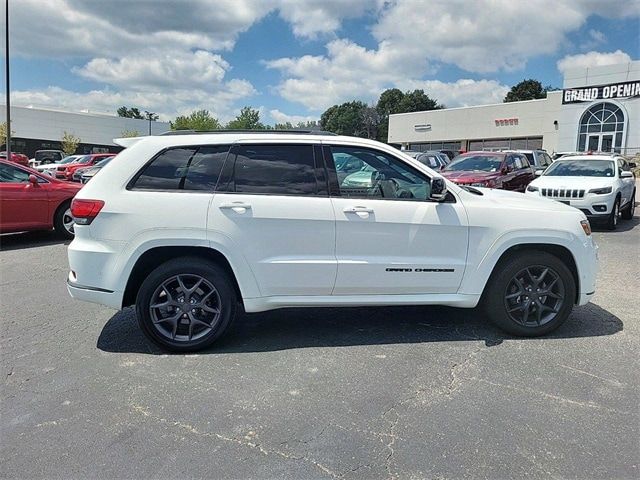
(198, 120)
(417, 101)
(247, 119)
(529, 89)
(344, 119)
(3, 134)
(129, 133)
(309, 125)
(395, 101)
(69, 143)
(130, 113)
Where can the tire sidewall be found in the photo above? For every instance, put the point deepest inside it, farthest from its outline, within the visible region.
(58, 221)
(496, 287)
(213, 274)
(612, 221)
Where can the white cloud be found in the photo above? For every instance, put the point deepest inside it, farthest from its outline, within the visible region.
(167, 103)
(312, 17)
(281, 117)
(160, 69)
(461, 93)
(592, 59)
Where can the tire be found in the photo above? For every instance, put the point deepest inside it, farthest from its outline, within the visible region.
(195, 302)
(63, 221)
(612, 220)
(630, 210)
(506, 294)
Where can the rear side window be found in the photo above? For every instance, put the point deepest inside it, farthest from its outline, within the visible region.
(270, 169)
(185, 168)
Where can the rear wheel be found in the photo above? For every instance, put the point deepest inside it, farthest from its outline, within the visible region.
(186, 304)
(530, 295)
(630, 210)
(612, 221)
(63, 221)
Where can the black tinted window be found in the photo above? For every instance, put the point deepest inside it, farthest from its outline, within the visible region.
(9, 174)
(270, 169)
(189, 168)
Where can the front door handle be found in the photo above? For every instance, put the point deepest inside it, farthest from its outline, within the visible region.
(238, 207)
(362, 212)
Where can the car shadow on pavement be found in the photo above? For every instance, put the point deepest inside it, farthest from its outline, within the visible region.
(18, 241)
(341, 327)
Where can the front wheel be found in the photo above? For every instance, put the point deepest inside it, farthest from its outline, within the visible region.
(630, 209)
(612, 221)
(530, 294)
(186, 304)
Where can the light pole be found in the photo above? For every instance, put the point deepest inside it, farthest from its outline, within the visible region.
(150, 116)
(6, 60)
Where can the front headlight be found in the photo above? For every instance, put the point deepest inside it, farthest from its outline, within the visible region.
(532, 188)
(601, 191)
(586, 226)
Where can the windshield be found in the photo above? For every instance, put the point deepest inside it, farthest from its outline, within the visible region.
(81, 159)
(530, 158)
(581, 168)
(102, 163)
(68, 159)
(476, 163)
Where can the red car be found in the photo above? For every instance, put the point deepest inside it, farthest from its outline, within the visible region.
(32, 201)
(505, 170)
(65, 172)
(18, 158)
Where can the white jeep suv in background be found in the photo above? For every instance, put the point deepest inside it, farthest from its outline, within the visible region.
(186, 227)
(602, 186)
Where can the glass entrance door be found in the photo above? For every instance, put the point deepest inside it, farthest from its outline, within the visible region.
(600, 143)
(606, 143)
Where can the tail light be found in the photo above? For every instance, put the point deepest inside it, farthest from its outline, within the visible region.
(84, 211)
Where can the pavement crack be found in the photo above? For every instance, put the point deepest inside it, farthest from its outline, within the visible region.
(550, 396)
(237, 441)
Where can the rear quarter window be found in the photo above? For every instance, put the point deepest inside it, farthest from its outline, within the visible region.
(183, 168)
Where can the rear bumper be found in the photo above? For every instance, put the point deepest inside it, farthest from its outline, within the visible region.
(94, 295)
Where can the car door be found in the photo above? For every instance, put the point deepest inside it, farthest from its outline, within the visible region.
(508, 167)
(627, 183)
(272, 201)
(22, 204)
(390, 239)
(525, 174)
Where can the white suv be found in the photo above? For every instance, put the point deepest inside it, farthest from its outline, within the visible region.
(601, 185)
(188, 227)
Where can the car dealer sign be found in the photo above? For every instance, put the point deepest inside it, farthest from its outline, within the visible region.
(601, 92)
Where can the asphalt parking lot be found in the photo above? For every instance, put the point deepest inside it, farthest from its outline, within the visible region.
(324, 393)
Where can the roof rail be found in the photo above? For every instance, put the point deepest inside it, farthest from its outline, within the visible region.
(299, 132)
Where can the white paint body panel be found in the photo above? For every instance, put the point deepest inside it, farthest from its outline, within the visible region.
(288, 251)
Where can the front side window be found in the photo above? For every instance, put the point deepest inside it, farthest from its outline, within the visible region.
(9, 174)
(184, 168)
(581, 168)
(380, 176)
(270, 169)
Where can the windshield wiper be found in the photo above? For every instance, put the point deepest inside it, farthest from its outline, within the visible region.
(473, 190)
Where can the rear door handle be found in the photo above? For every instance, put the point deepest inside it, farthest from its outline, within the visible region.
(238, 207)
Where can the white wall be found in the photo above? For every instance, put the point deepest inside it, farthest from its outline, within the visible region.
(90, 128)
(583, 77)
(535, 118)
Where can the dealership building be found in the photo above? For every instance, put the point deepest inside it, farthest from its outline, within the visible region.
(42, 129)
(597, 109)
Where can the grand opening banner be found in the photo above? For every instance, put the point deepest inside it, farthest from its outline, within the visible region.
(601, 92)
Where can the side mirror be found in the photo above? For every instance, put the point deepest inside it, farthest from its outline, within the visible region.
(504, 170)
(626, 174)
(438, 189)
(33, 180)
(632, 165)
(539, 172)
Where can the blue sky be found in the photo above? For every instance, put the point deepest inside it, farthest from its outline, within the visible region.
(292, 59)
